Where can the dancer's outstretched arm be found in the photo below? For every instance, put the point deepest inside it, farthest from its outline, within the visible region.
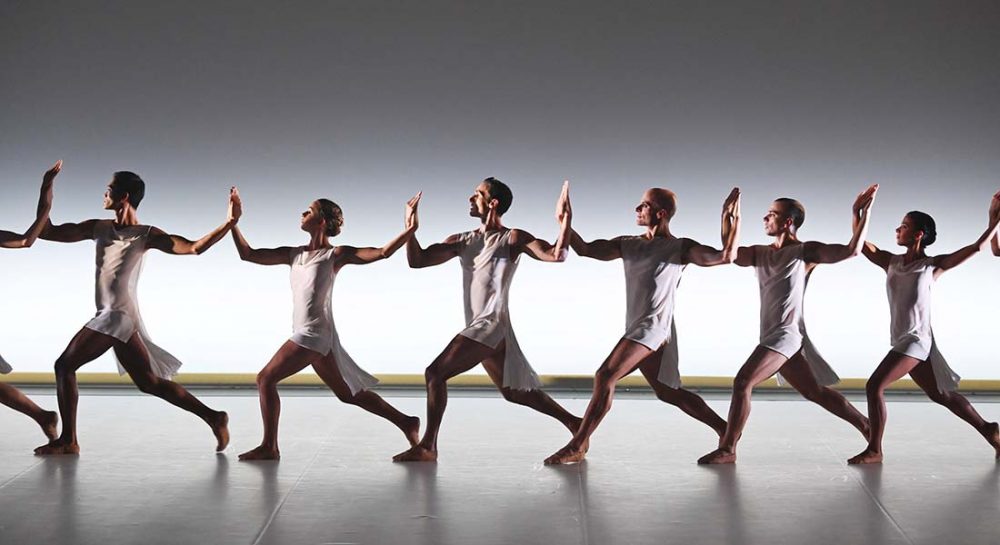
(600, 249)
(435, 254)
(818, 252)
(876, 256)
(261, 256)
(949, 261)
(15, 240)
(540, 249)
(349, 255)
(706, 256)
(996, 244)
(178, 245)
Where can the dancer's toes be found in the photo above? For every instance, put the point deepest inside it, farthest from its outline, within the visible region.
(50, 425)
(220, 427)
(566, 455)
(866, 457)
(411, 429)
(260, 453)
(58, 448)
(416, 453)
(718, 456)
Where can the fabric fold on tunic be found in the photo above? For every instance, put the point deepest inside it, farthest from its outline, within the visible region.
(653, 269)
(120, 254)
(909, 289)
(487, 272)
(312, 277)
(781, 274)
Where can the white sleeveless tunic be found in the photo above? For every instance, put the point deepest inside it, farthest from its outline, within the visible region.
(653, 270)
(781, 274)
(312, 277)
(119, 262)
(487, 271)
(909, 290)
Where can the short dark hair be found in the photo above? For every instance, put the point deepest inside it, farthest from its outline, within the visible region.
(499, 191)
(333, 215)
(123, 182)
(794, 210)
(924, 222)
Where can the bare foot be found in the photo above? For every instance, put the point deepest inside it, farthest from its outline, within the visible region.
(718, 456)
(50, 424)
(411, 429)
(993, 436)
(866, 457)
(58, 447)
(220, 427)
(416, 453)
(260, 453)
(566, 455)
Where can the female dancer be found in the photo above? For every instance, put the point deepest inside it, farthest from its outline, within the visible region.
(314, 341)
(908, 282)
(10, 396)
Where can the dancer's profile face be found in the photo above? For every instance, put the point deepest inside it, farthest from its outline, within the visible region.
(906, 233)
(109, 197)
(479, 201)
(775, 219)
(646, 211)
(311, 218)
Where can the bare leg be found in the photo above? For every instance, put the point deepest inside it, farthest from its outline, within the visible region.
(134, 358)
(288, 360)
(366, 399)
(86, 346)
(691, 403)
(459, 356)
(798, 373)
(761, 364)
(923, 375)
(893, 367)
(15, 399)
(535, 399)
(624, 358)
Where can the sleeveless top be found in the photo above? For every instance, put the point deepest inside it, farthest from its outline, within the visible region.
(487, 271)
(653, 269)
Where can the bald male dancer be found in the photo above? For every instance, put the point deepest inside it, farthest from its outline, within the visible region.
(489, 257)
(783, 268)
(9, 395)
(121, 245)
(653, 263)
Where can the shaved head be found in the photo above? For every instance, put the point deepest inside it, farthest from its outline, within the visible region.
(664, 199)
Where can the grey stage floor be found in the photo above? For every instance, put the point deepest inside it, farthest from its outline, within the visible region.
(148, 475)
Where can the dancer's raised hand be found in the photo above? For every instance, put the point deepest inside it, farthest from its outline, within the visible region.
(235, 205)
(865, 199)
(995, 209)
(564, 209)
(410, 219)
(731, 207)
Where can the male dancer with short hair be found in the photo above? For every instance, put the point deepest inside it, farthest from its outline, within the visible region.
(489, 257)
(121, 244)
(653, 263)
(9, 395)
(783, 268)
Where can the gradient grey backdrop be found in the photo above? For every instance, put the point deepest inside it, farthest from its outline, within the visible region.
(368, 102)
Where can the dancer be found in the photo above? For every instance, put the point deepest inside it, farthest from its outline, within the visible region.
(909, 277)
(653, 263)
(121, 244)
(9, 395)
(489, 257)
(783, 269)
(315, 342)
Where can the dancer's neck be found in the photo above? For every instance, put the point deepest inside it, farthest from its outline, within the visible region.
(660, 230)
(491, 223)
(126, 215)
(785, 238)
(913, 253)
(318, 241)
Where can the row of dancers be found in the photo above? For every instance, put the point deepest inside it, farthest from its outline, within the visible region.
(653, 261)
